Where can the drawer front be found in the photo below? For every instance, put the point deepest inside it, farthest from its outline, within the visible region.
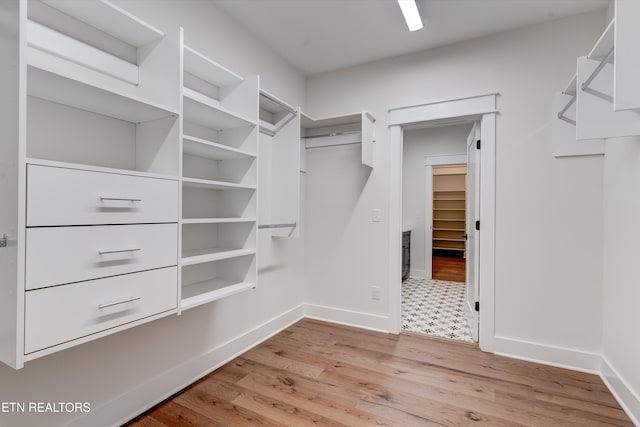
(58, 255)
(59, 196)
(64, 313)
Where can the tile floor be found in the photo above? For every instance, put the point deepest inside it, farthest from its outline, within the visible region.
(435, 307)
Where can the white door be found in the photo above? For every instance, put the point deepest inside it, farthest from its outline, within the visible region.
(473, 238)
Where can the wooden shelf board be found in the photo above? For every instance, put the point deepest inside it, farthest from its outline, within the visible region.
(199, 256)
(444, 239)
(214, 185)
(200, 293)
(449, 219)
(212, 150)
(448, 209)
(75, 93)
(199, 65)
(606, 42)
(109, 18)
(208, 112)
(216, 220)
(448, 229)
(308, 122)
(458, 199)
(448, 249)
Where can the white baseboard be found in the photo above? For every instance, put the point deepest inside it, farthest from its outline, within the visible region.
(421, 274)
(145, 396)
(567, 358)
(625, 396)
(372, 322)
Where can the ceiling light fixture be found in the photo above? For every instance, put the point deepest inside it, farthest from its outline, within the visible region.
(411, 14)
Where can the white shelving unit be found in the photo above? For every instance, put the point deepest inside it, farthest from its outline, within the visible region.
(219, 181)
(280, 134)
(98, 139)
(358, 128)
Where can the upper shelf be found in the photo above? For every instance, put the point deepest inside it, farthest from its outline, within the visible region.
(211, 72)
(101, 100)
(605, 44)
(309, 122)
(212, 150)
(572, 86)
(113, 20)
(206, 111)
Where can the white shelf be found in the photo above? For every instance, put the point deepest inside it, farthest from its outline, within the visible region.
(309, 122)
(85, 167)
(214, 185)
(605, 43)
(207, 112)
(101, 100)
(217, 220)
(211, 290)
(199, 256)
(202, 67)
(212, 150)
(572, 86)
(113, 20)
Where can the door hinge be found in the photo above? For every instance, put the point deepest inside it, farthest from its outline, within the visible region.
(478, 144)
(477, 305)
(478, 225)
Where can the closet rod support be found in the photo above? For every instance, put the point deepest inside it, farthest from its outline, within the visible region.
(292, 225)
(603, 62)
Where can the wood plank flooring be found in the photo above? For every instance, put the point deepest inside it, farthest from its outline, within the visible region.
(320, 374)
(447, 268)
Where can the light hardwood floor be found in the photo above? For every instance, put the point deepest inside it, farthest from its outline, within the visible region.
(321, 374)
(449, 269)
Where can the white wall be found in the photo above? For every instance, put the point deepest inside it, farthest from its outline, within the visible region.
(132, 368)
(416, 145)
(548, 211)
(621, 292)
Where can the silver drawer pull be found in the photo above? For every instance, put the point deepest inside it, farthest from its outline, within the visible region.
(117, 251)
(121, 199)
(124, 301)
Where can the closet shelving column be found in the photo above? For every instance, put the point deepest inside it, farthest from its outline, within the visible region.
(449, 214)
(219, 181)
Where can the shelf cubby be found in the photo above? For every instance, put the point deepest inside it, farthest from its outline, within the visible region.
(207, 282)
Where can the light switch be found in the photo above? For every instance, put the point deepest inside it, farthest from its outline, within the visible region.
(375, 215)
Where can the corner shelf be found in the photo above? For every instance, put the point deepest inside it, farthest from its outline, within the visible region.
(210, 71)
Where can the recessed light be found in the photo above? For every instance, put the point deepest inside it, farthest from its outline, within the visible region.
(411, 14)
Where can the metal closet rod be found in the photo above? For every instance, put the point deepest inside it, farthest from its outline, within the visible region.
(324, 135)
(561, 115)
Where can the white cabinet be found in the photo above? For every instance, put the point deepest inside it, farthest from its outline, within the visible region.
(219, 175)
(627, 34)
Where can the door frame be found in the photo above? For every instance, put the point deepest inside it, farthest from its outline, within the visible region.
(429, 163)
(469, 109)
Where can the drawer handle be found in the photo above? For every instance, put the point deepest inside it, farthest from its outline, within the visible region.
(117, 251)
(124, 301)
(121, 199)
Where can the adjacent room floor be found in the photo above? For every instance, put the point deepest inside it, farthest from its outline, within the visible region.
(321, 374)
(448, 268)
(435, 307)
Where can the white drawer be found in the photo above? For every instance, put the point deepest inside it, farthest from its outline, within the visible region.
(64, 313)
(58, 255)
(60, 196)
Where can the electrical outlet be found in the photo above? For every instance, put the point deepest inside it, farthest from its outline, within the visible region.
(375, 292)
(376, 215)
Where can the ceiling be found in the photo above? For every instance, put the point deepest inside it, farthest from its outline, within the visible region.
(323, 35)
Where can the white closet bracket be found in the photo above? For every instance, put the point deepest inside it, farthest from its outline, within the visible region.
(609, 57)
(561, 115)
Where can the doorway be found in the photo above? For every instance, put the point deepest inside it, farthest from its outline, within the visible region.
(464, 110)
(434, 209)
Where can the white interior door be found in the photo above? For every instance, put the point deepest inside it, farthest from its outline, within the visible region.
(428, 224)
(473, 238)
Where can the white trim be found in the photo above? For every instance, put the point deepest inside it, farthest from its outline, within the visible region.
(472, 106)
(626, 397)
(483, 108)
(372, 322)
(420, 274)
(577, 360)
(445, 160)
(146, 395)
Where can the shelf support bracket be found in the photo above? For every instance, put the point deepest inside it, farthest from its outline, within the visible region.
(584, 86)
(561, 115)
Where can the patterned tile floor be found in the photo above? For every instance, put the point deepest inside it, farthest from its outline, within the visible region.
(435, 307)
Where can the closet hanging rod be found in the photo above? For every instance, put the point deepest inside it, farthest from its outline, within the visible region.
(292, 225)
(584, 86)
(280, 103)
(561, 115)
(324, 135)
